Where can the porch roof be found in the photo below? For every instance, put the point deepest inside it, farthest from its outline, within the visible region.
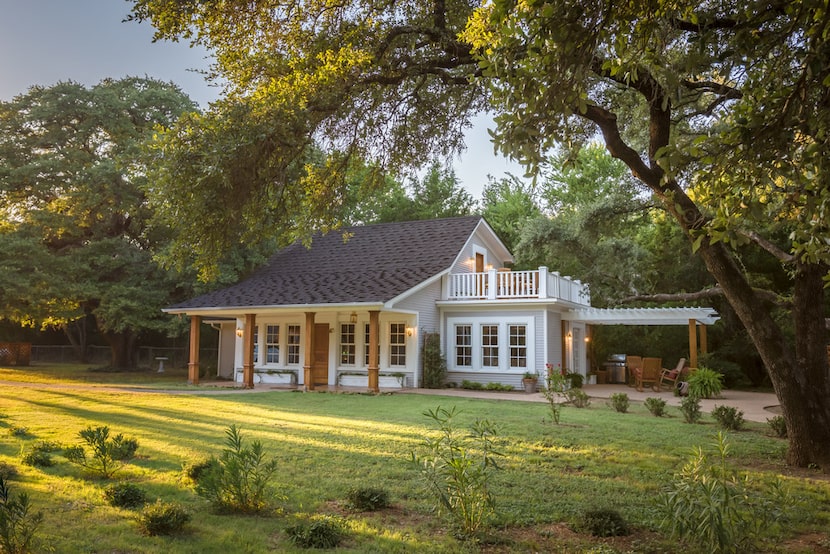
(369, 264)
(642, 316)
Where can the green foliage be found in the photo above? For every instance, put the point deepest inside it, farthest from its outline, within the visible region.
(715, 507)
(163, 518)
(317, 532)
(367, 499)
(37, 458)
(507, 205)
(18, 432)
(18, 523)
(604, 522)
(577, 398)
(7, 471)
(576, 380)
(456, 469)
(656, 406)
(242, 479)
(108, 454)
(619, 401)
(194, 470)
(778, 425)
(705, 383)
(435, 365)
(471, 385)
(729, 418)
(690, 408)
(125, 495)
(497, 387)
(554, 393)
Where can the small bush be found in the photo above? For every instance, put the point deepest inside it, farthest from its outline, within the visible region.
(18, 432)
(578, 397)
(195, 470)
(435, 365)
(690, 408)
(657, 406)
(367, 499)
(498, 387)
(604, 522)
(728, 417)
(37, 458)
(705, 383)
(163, 518)
(619, 401)
(7, 471)
(471, 385)
(108, 454)
(18, 524)
(778, 425)
(125, 495)
(319, 532)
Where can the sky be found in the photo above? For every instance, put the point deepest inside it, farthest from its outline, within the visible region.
(43, 42)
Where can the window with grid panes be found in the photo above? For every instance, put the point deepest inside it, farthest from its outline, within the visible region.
(490, 345)
(518, 345)
(293, 353)
(347, 344)
(272, 344)
(464, 345)
(256, 344)
(397, 344)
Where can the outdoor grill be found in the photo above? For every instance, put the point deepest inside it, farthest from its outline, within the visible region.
(615, 368)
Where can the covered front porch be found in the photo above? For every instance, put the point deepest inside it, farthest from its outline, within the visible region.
(312, 348)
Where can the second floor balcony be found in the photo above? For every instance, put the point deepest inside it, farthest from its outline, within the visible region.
(513, 285)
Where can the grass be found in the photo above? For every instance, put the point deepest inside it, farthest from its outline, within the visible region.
(328, 444)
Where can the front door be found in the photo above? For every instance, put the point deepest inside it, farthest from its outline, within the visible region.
(320, 365)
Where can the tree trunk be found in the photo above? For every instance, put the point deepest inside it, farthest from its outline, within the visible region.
(77, 333)
(122, 349)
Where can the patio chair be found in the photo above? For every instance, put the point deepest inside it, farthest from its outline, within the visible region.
(669, 377)
(649, 373)
(633, 364)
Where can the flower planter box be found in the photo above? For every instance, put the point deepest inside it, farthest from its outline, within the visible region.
(384, 381)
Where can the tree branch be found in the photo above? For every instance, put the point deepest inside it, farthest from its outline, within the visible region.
(782, 256)
(713, 292)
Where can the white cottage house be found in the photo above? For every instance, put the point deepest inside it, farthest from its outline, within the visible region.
(353, 309)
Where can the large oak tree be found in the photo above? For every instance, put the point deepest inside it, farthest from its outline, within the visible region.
(719, 108)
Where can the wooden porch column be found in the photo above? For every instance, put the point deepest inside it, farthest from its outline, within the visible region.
(193, 363)
(374, 355)
(248, 351)
(693, 343)
(703, 345)
(308, 379)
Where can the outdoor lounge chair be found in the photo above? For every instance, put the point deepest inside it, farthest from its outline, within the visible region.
(669, 377)
(633, 364)
(649, 373)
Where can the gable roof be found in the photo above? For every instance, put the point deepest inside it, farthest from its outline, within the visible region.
(375, 264)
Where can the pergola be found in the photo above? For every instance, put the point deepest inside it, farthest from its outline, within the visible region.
(696, 318)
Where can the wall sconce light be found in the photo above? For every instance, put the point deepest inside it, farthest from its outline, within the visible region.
(587, 339)
(409, 331)
(353, 317)
(239, 332)
(568, 336)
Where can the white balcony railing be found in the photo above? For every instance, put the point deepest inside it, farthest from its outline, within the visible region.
(498, 285)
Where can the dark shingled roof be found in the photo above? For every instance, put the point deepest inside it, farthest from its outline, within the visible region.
(376, 264)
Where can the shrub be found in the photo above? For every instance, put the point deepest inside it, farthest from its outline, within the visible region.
(710, 504)
(37, 458)
(108, 454)
(778, 425)
(7, 471)
(619, 401)
(457, 469)
(18, 524)
(656, 406)
(241, 479)
(367, 499)
(125, 495)
(497, 387)
(576, 380)
(318, 532)
(690, 408)
(554, 391)
(728, 417)
(195, 470)
(471, 385)
(705, 383)
(578, 397)
(604, 522)
(19, 432)
(435, 365)
(163, 518)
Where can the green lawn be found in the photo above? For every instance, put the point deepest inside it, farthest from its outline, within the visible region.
(328, 443)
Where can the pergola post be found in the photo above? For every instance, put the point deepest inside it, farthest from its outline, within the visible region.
(374, 356)
(248, 351)
(693, 343)
(308, 380)
(193, 362)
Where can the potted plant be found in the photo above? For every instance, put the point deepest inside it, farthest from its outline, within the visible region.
(529, 381)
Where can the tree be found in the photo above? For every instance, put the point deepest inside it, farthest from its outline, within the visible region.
(77, 235)
(507, 205)
(735, 101)
(700, 101)
(438, 194)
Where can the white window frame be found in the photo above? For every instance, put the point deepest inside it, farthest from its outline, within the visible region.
(395, 345)
(272, 340)
(352, 353)
(293, 348)
(504, 322)
(468, 347)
